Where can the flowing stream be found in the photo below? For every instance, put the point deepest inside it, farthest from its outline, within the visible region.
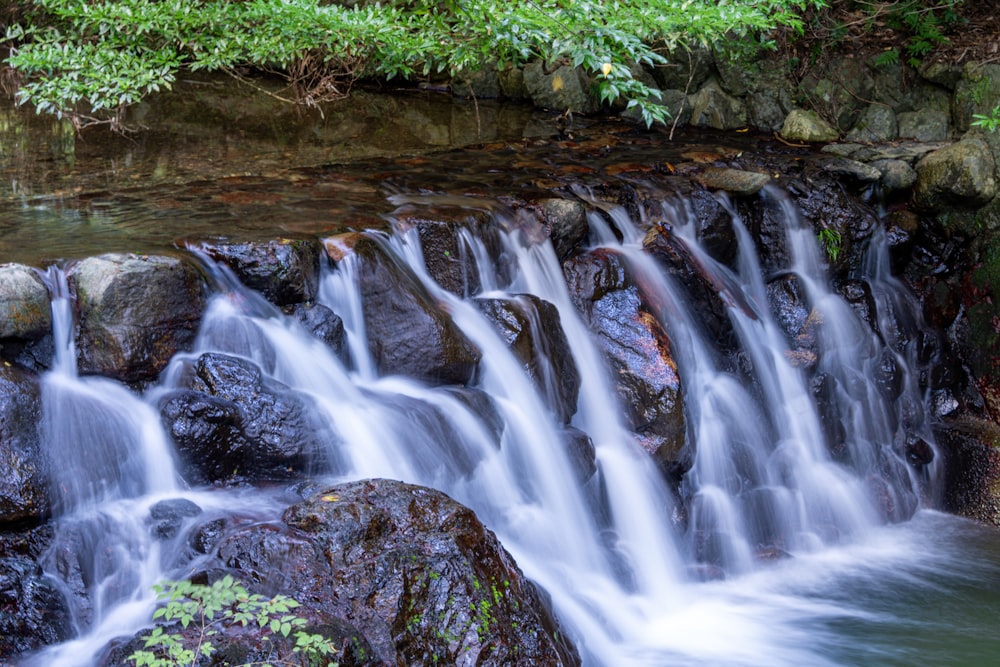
(869, 573)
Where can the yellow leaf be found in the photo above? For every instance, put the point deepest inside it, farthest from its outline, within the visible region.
(557, 82)
(606, 68)
(330, 498)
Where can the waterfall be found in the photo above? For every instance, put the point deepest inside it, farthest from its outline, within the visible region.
(623, 555)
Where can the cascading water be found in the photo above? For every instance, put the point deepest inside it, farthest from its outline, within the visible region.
(624, 581)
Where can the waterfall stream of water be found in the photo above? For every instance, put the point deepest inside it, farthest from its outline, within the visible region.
(622, 574)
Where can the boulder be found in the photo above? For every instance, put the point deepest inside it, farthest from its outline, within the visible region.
(408, 331)
(33, 611)
(534, 333)
(564, 88)
(962, 174)
(324, 325)
(877, 123)
(802, 125)
(446, 256)
(403, 571)
(924, 125)
(897, 175)
(24, 482)
(285, 271)
(566, 223)
(24, 303)
(715, 108)
(636, 347)
(734, 181)
(234, 424)
(135, 313)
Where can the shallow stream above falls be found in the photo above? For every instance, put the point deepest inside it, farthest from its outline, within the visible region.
(777, 554)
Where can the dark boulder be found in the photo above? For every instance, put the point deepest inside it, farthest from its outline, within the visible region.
(446, 255)
(394, 574)
(285, 271)
(33, 612)
(323, 324)
(25, 317)
(135, 312)
(409, 332)
(235, 424)
(24, 482)
(797, 320)
(534, 333)
(636, 347)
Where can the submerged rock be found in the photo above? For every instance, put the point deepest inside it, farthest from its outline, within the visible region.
(135, 313)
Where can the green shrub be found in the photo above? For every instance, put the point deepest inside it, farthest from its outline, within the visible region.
(209, 609)
(90, 59)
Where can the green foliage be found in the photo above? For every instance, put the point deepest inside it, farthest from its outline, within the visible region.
(210, 609)
(91, 58)
(990, 121)
(832, 242)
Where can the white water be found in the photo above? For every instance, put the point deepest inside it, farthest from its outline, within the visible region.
(607, 551)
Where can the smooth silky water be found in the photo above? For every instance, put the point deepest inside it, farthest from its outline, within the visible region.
(859, 585)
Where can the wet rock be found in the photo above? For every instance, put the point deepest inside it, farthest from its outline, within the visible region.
(234, 424)
(735, 181)
(793, 314)
(285, 271)
(566, 221)
(715, 108)
(582, 454)
(168, 516)
(637, 348)
(534, 333)
(418, 576)
(685, 68)
(960, 175)
(446, 256)
(802, 125)
(24, 480)
(877, 123)
(33, 612)
(135, 313)
(562, 89)
(324, 325)
(924, 125)
(408, 332)
(971, 453)
(714, 225)
(24, 303)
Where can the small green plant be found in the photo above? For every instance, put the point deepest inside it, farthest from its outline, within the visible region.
(832, 242)
(990, 121)
(209, 609)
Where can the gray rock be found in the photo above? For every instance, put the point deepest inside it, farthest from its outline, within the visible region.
(924, 125)
(858, 171)
(877, 123)
(135, 313)
(715, 108)
(962, 174)
(563, 89)
(802, 125)
(896, 174)
(24, 303)
(685, 69)
(978, 92)
(735, 181)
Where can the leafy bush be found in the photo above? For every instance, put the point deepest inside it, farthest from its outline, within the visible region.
(92, 59)
(208, 609)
